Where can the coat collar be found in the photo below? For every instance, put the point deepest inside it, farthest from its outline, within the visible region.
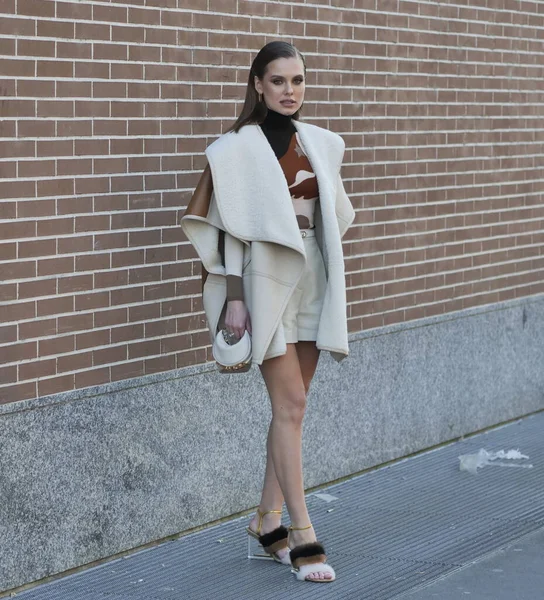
(252, 194)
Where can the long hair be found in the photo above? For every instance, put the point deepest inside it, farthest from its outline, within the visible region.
(254, 111)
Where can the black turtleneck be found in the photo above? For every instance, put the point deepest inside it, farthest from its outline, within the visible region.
(278, 130)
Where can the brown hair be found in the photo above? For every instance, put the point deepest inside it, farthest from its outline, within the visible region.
(254, 111)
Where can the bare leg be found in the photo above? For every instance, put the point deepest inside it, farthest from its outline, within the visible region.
(272, 496)
(308, 356)
(287, 388)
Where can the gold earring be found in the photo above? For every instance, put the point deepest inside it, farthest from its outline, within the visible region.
(260, 97)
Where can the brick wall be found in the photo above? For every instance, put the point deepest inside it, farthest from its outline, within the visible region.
(107, 107)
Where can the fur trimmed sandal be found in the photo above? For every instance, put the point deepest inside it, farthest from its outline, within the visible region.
(308, 559)
(272, 542)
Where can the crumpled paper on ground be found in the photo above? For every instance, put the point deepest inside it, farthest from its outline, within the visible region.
(473, 462)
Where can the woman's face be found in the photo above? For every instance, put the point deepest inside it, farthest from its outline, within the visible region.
(283, 85)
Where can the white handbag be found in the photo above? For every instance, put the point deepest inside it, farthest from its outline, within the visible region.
(232, 358)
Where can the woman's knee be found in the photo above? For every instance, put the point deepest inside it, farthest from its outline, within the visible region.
(290, 406)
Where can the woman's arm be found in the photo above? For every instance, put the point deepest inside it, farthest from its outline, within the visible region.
(234, 260)
(237, 317)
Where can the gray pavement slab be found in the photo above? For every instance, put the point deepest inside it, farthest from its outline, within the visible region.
(412, 529)
(512, 573)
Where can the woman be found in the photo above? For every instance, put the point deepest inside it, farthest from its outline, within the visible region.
(266, 219)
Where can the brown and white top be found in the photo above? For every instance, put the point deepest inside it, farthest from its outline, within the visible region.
(301, 181)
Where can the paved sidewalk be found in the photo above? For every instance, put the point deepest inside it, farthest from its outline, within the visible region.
(419, 529)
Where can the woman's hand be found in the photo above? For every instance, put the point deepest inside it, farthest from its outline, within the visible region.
(237, 318)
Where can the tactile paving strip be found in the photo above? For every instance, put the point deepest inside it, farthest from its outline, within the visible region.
(388, 531)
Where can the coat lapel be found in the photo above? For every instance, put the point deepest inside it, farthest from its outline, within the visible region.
(253, 198)
(325, 155)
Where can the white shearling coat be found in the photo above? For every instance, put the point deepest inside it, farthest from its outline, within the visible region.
(251, 201)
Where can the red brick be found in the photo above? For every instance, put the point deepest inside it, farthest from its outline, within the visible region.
(70, 128)
(18, 270)
(55, 148)
(57, 345)
(8, 210)
(133, 34)
(18, 148)
(36, 248)
(127, 258)
(142, 16)
(18, 189)
(160, 290)
(18, 311)
(93, 339)
(8, 251)
(8, 291)
(55, 385)
(78, 322)
(55, 306)
(160, 364)
(110, 165)
(128, 295)
(75, 362)
(127, 370)
(149, 237)
(92, 262)
(38, 369)
(147, 348)
(115, 316)
(17, 27)
(8, 7)
(109, 355)
(7, 129)
(36, 9)
(15, 393)
(91, 378)
(35, 168)
(144, 312)
(159, 328)
(54, 29)
(91, 185)
(8, 334)
(92, 223)
(40, 48)
(77, 283)
(8, 375)
(79, 50)
(110, 14)
(111, 240)
(75, 166)
(93, 300)
(51, 227)
(35, 289)
(144, 274)
(17, 352)
(54, 69)
(115, 128)
(175, 307)
(126, 333)
(92, 70)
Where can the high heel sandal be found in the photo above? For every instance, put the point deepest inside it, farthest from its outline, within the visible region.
(310, 558)
(271, 542)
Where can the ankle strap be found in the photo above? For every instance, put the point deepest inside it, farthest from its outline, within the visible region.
(299, 528)
(266, 512)
(260, 517)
